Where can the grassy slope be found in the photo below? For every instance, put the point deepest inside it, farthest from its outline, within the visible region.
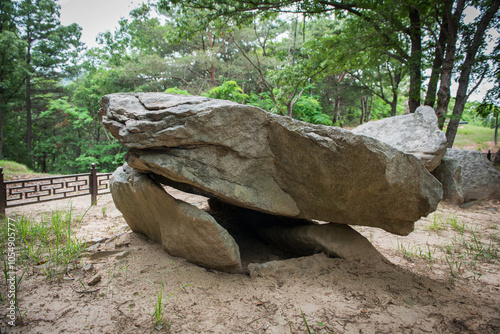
(475, 137)
(13, 171)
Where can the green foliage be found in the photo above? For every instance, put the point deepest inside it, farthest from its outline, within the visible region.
(477, 114)
(61, 151)
(486, 112)
(308, 109)
(262, 100)
(229, 90)
(175, 90)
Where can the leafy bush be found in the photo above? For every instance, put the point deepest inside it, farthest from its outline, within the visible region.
(308, 109)
(263, 100)
(175, 90)
(229, 90)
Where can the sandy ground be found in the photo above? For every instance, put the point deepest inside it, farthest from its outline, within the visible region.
(416, 291)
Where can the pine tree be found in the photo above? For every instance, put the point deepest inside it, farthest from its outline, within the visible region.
(49, 47)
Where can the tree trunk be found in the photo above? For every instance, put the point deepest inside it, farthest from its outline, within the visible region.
(1, 125)
(463, 81)
(212, 69)
(28, 98)
(394, 102)
(363, 110)
(336, 110)
(451, 32)
(369, 111)
(415, 60)
(28, 116)
(289, 109)
(430, 97)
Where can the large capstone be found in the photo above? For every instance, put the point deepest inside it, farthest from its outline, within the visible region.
(252, 159)
(417, 133)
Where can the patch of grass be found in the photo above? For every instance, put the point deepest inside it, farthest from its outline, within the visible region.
(469, 135)
(308, 329)
(427, 254)
(455, 267)
(159, 319)
(11, 167)
(46, 244)
(466, 250)
(436, 225)
(409, 252)
(479, 250)
(453, 221)
(158, 316)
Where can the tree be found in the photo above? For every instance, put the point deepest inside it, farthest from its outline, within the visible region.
(49, 47)
(392, 23)
(450, 28)
(384, 81)
(11, 65)
(489, 13)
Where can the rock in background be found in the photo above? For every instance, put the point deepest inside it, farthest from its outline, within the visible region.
(273, 164)
(449, 173)
(416, 134)
(480, 180)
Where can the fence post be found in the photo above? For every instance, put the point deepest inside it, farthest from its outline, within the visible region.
(93, 184)
(3, 194)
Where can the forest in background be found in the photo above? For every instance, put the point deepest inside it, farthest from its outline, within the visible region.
(323, 62)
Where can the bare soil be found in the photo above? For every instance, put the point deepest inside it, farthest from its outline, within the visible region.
(416, 291)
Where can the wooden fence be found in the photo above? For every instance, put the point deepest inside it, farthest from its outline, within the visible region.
(30, 191)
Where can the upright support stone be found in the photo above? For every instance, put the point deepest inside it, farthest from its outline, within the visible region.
(182, 229)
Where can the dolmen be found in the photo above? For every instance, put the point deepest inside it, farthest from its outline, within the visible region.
(298, 186)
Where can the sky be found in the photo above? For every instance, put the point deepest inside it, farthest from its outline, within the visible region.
(95, 16)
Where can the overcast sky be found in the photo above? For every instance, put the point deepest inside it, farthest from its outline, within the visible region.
(95, 16)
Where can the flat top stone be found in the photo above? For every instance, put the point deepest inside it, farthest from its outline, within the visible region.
(250, 158)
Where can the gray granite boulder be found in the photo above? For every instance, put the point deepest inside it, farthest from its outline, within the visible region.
(416, 134)
(250, 158)
(480, 180)
(182, 229)
(449, 173)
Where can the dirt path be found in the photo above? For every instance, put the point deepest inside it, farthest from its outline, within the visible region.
(415, 292)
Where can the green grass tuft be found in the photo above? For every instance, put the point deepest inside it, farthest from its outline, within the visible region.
(46, 244)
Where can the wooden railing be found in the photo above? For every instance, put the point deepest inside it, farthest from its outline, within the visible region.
(30, 191)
